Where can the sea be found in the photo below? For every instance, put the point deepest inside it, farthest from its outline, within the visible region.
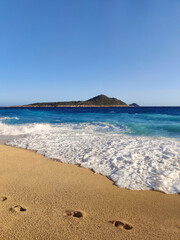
(137, 148)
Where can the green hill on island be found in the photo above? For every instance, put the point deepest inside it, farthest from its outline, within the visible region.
(98, 101)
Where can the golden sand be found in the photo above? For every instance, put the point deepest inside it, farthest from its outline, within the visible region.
(45, 199)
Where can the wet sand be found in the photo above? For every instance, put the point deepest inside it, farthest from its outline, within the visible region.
(45, 199)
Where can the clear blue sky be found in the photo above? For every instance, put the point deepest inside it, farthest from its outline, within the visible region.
(54, 50)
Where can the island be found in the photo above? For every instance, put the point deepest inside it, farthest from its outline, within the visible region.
(98, 101)
(134, 105)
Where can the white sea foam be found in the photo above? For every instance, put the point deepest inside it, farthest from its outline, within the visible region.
(131, 162)
(8, 118)
(6, 129)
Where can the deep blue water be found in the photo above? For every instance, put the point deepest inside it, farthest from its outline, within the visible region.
(143, 121)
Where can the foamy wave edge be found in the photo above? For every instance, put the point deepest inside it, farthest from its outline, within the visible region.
(15, 130)
(131, 162)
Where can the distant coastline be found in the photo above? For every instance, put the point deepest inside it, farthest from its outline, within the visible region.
(98, 101)
(72, 106)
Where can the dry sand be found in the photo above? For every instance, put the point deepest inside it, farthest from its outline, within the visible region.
(45, 199)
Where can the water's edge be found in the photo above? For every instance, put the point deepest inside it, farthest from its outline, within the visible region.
(4, 142)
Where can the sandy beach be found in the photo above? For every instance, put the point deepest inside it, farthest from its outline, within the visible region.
(45, 199)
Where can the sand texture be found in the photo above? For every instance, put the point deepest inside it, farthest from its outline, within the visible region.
(45, 199)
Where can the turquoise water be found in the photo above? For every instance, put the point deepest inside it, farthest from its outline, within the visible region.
(144, 121)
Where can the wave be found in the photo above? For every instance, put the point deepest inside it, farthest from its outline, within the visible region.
(131, 162)
(8, 118)
(15, 130)
(101, 127)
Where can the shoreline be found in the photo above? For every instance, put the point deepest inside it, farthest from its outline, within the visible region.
(46, 199)
(3, 142)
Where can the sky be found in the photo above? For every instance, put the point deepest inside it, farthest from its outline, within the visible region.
(62, 50)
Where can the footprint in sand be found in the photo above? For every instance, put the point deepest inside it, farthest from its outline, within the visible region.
(72, 213)
(17, 208)
(121, 224)
(3, 198)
